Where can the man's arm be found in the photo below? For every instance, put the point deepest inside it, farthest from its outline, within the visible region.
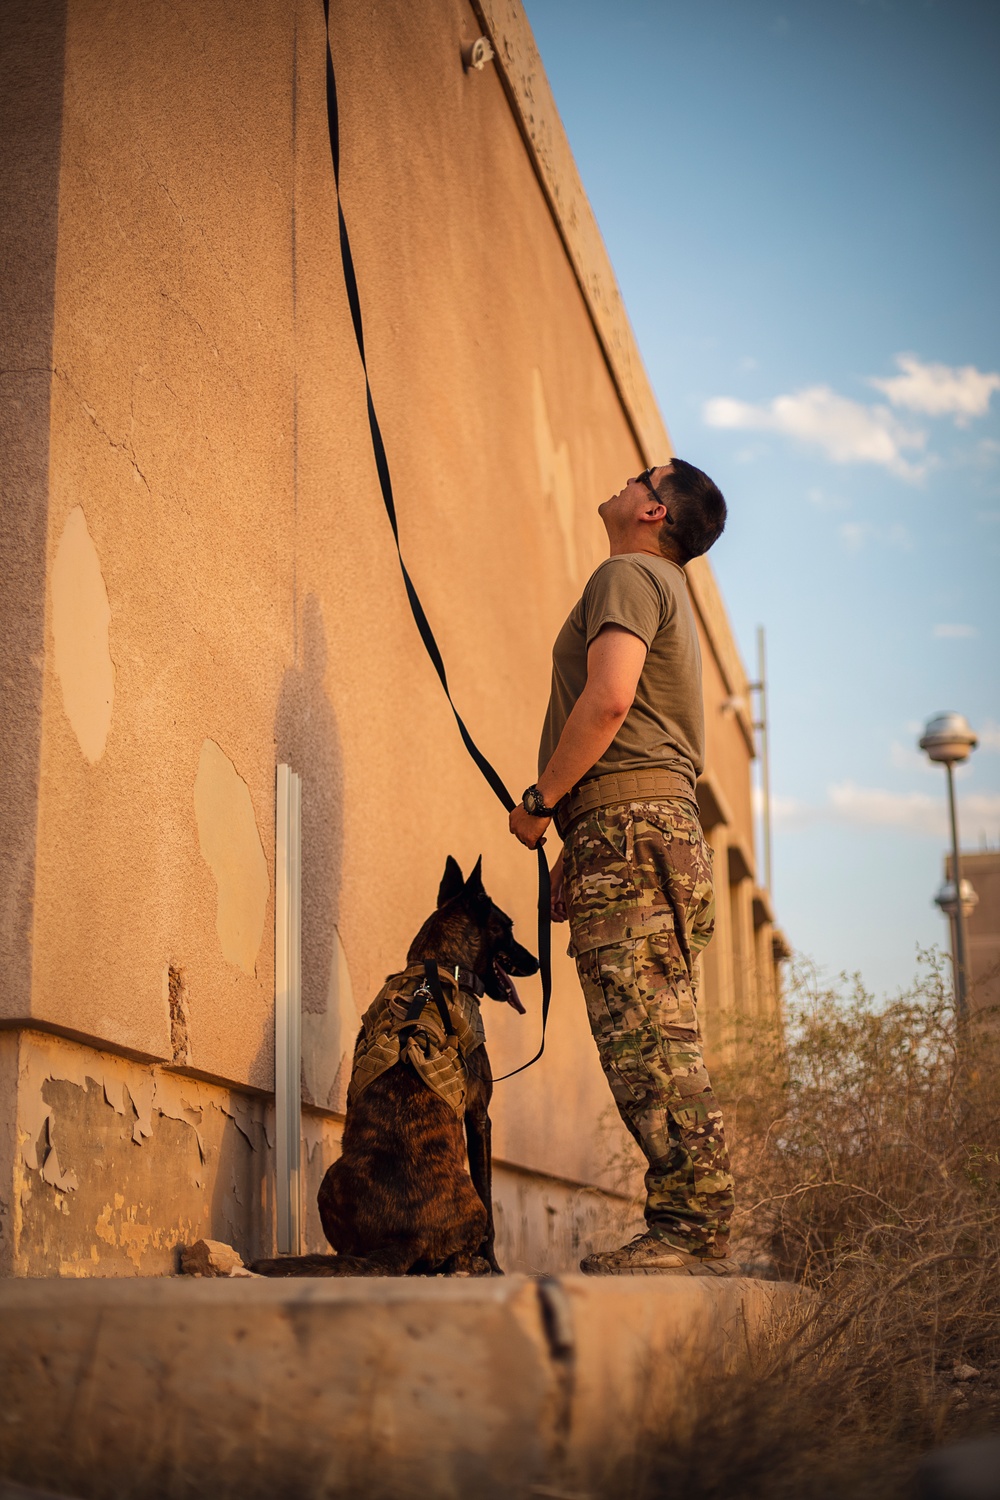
(614, 663)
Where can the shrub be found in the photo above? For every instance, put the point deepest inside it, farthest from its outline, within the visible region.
(866, 1147)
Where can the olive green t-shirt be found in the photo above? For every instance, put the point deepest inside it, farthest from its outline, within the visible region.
(665, 727)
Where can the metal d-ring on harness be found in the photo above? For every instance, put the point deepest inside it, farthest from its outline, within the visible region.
(422, 623)
(429, 988)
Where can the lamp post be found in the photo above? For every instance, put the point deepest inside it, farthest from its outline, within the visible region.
(948, 740)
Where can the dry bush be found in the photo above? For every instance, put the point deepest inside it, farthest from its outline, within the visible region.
(866, 1147)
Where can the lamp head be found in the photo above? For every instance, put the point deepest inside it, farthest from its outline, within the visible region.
(948, 739)
(947, 898)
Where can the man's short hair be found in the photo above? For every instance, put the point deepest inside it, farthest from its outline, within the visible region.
(696, 509)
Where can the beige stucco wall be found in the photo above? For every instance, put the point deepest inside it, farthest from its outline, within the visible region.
(221, 589)
(208, 421)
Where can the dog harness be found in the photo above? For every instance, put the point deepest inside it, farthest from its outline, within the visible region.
(429, 1018)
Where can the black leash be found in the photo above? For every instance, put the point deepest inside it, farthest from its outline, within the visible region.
(422, 623)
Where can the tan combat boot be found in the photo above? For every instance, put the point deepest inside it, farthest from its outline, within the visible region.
(647, 1255)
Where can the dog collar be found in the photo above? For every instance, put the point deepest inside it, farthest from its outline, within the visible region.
(464, 978)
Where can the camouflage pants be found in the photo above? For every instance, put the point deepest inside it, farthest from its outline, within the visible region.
(638, 881)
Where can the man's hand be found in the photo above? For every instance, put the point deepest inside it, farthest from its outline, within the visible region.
(526, 828)
(559, 912)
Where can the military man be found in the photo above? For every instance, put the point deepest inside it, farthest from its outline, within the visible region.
(621, 748)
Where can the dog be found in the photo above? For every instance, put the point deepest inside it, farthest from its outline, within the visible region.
(409, 1195)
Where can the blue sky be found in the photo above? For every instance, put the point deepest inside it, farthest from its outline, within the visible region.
(802, 205)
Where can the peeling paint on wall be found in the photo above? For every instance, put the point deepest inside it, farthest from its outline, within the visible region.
(81, 616)
(176, 997)
(328, 1037)
(120, 1163)
(230, 845)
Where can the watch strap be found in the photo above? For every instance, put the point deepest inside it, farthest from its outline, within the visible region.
(538, 808)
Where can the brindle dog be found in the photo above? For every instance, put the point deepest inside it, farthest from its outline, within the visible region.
(400, 1200)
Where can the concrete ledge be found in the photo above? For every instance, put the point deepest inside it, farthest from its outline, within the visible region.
(318, 1388)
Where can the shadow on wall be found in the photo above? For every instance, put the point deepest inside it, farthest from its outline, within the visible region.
(308, 739)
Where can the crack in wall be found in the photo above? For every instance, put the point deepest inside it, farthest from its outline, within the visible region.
(124, 448)
(557, 1324)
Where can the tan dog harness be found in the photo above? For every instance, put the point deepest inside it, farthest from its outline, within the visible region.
(397, 1027)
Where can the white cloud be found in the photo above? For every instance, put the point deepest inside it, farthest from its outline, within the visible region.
(954, 632)
(989, 736)
(914, 812)
(900, 536)
(917, 811)
(845, 430)
(910, 757)
(786, 812)
(921, 813)
(824, 501)
(854, 534)
(940, 390)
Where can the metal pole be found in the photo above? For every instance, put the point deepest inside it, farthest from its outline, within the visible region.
(961, 937)
(765, 763)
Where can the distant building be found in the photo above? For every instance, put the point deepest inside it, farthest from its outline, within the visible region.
(200, 583)
(982, 869)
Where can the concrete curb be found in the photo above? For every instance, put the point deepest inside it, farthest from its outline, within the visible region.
(391, 1389)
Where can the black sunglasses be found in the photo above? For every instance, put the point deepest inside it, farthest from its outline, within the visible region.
(646, 478)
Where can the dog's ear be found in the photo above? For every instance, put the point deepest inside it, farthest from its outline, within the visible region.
(474, 884)
(452, 881)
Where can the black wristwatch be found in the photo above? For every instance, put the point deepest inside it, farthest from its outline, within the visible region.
(534, 804)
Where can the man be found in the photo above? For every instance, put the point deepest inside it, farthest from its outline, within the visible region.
(622, 746)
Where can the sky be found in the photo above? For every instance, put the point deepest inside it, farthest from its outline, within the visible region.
(801, 202)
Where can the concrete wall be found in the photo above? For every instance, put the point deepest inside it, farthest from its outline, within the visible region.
(206, 581)
(401, 1390)
(111, 1167)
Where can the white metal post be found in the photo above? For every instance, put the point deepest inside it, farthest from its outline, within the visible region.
(760, 724)
(288, 1006)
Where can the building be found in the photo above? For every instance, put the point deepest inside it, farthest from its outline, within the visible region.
(202, 583)
(982, 869)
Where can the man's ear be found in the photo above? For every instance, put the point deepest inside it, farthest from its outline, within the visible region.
(452, 881)
(474, 884)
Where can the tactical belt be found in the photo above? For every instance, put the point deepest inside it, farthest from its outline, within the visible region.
(620, 786)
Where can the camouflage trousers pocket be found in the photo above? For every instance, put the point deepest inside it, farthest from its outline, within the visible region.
(666, 984)
(616, 1024)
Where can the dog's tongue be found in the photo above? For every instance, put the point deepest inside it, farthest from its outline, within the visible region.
(507, 986)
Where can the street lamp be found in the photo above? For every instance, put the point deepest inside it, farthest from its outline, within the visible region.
(946, 901)
(949, 740)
